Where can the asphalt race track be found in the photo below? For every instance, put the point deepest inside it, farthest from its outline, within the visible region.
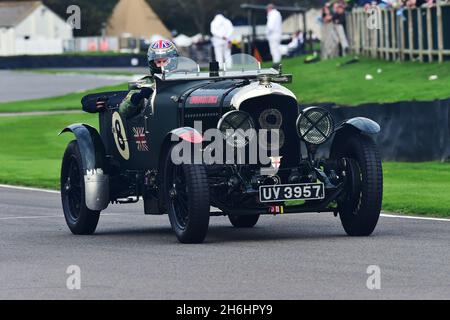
(27, 85)
(132, 256)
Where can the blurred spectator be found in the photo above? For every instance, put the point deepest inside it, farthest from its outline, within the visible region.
(222, 29)
(334, 39)
(396, 4)
(274, 31)
(419, 3)
(326, 13)
(295, 47)
(339, 21)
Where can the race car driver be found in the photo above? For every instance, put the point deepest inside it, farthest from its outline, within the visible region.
(161, 54)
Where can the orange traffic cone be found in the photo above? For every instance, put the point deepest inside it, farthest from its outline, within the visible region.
(257, 55)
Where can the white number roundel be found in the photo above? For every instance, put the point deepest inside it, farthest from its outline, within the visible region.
(120, 136)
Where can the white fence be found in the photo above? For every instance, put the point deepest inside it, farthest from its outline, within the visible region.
(416, 34)
(38, 47)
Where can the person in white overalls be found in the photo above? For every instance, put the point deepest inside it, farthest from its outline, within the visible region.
(221, 30)
(274, 31)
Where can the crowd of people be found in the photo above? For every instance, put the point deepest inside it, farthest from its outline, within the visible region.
(334, 40)
(396, 4)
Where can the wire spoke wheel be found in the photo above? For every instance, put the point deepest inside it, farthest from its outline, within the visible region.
(72, 189)
(186, 196)
(178, 197)
(360, 206)
(79, 218)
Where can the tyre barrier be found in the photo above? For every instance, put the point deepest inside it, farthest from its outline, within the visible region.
(410, 130)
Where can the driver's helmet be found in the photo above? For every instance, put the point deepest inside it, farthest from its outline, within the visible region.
(162, 49)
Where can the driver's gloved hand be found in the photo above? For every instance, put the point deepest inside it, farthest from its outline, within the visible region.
(101, 103)
(146, 92)
(136, 98)
(134, 102)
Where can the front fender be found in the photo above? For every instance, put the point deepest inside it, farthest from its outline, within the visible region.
(93, 159)
(187, 134)
(352, 127)
(361, 124)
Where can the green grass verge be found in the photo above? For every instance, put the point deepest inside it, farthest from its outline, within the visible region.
(420, 188)
(326, 81)
(69, 101)
(31, 154)
(31, 150)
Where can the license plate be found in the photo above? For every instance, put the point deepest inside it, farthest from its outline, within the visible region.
(290, 192)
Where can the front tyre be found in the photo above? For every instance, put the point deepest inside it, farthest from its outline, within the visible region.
(79, 219)
(359, 210)
(186, 192)
(244, 221)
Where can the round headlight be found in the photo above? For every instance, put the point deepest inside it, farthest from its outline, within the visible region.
(315, 125)
(237, 128)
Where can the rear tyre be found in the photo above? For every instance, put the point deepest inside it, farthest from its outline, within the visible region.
(79, 219)
(186, 192)
(360, 209)
(244, 221)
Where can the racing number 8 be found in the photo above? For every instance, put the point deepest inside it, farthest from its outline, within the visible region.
(120, 136)
(120, 139)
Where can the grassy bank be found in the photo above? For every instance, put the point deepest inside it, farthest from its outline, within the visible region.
(31, 154)
(331, 81)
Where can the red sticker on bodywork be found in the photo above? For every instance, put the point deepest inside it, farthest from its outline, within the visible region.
(276, 210)
(192, 137)
(204, 99)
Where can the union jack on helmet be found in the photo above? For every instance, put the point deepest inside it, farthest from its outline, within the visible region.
(160, 49)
